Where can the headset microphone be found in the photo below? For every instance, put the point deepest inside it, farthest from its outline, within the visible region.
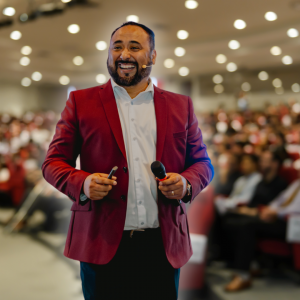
(144, 66)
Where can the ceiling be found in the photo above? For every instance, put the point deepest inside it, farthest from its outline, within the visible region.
(210, 28)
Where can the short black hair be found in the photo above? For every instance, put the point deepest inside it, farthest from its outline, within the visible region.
(147, 29)
(252, 157)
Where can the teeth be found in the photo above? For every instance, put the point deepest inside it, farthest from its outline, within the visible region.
(126, 66)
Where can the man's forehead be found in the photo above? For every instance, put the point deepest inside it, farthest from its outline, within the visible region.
(130, 33)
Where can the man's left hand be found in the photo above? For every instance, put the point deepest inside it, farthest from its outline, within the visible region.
(174, 187)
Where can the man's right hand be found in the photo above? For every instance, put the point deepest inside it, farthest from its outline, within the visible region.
(96, 186)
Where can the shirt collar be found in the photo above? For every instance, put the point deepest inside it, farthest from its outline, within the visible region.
(150, 87)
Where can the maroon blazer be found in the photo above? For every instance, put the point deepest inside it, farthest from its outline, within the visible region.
(90, 127)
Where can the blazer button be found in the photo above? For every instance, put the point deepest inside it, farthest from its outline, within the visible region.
(125, 169)
(123, 197)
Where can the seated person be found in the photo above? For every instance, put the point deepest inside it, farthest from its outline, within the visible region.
(269, 222)
(228, 173)
(243, 188)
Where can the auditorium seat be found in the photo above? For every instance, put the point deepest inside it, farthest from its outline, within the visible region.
(200, 217)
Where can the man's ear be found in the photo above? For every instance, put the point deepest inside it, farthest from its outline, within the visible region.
(153, 56)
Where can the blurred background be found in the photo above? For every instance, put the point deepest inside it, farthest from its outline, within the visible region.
(240, 63)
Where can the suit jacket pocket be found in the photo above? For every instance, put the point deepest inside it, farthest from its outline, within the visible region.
(79, 207)
(181, 134)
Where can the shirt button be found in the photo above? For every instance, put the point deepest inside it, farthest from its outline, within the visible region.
(138, 180)
(134, 138)
(142, 223)
(123, 197)
(125, 169)
(140, 202)
(137, 159)
(132, 119)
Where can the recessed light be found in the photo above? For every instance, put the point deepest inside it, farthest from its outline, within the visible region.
(292, 33)
(9, 11)
(231, 67)
(169, 63)
(64, 80)
(182, 34)
(217, 78)
(191, 4)
(101, 45)
(132, 18)
(287, 60)
(16, 35)
(277, 82)
(270, 16)
(263, 75)
(25, 61)
(219, 88)
(184, 71)
(36, 76)
(246, 87)
(275, 50)
(239, 24)
(78, 60)
(73, 28)
(101, 78)
(179, 51)
(233, 44)
(26, 50)
(221, 58)
(26, 81)
(296, 88)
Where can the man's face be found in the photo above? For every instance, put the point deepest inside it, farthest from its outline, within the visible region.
(130, 49)
(267, 163)
(247, 166)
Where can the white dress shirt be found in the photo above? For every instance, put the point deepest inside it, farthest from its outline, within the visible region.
(138, 122)
(293, 207)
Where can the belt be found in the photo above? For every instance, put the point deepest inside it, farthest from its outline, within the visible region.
(130, 232)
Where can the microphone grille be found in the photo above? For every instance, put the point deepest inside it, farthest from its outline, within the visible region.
(158, 169)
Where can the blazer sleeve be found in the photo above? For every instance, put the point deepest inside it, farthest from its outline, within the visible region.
(198, 168)
(59, 166)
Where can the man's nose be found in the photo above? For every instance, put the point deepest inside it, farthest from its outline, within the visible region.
(125, 54)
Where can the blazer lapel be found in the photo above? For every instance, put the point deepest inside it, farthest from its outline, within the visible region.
(111, 110)
(161, 112)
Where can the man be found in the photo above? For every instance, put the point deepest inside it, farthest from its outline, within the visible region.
(130, 237)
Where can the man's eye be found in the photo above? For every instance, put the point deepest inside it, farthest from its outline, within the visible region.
(134, 48)
(117, 48)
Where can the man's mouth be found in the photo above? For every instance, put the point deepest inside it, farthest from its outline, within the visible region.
(126, 66)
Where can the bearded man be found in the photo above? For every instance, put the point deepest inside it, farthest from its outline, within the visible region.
(130, 233)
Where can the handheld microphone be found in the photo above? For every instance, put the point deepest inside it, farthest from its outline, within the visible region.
(159, 171)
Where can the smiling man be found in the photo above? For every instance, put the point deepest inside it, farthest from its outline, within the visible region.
(129, 233)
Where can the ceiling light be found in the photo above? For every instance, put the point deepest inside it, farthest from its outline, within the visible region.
(246, 87)
(234, 45)
(16, 35)
(219, 88)
(184, 71)
(169, 63)
(101, 45)
(179, 51)
(36, 76)
(78, 60)
(73, 28)
(292, 32)
(26, 50)
(239, 24)
(222, 127)
(279, 90)
(277, 82)
(66, 1)
(270, 16)
(217, 79)
(132, 18)
(64, 80)
(231, 67)
(182, 34)
(221, 58)
(101, 78)
(296, 87)
(25, 61)
(191, 4)
(26, 81)
(9, 11)
(287, 60)
(275, 50)
(263, 75)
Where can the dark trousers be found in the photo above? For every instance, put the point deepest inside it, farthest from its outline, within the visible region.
(138, 271)
(240, 235)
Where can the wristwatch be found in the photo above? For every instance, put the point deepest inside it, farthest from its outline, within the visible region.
(189, 189)
(83, 196)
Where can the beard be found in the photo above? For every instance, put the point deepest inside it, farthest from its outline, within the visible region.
(139, 75)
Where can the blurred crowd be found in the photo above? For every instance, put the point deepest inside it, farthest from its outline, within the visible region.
(256, 184)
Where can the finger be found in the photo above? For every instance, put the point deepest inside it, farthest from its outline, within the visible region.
(169, 195)
(101, 188)
(102, 180)
(98, 195)
(172, 180)
(172, 187)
